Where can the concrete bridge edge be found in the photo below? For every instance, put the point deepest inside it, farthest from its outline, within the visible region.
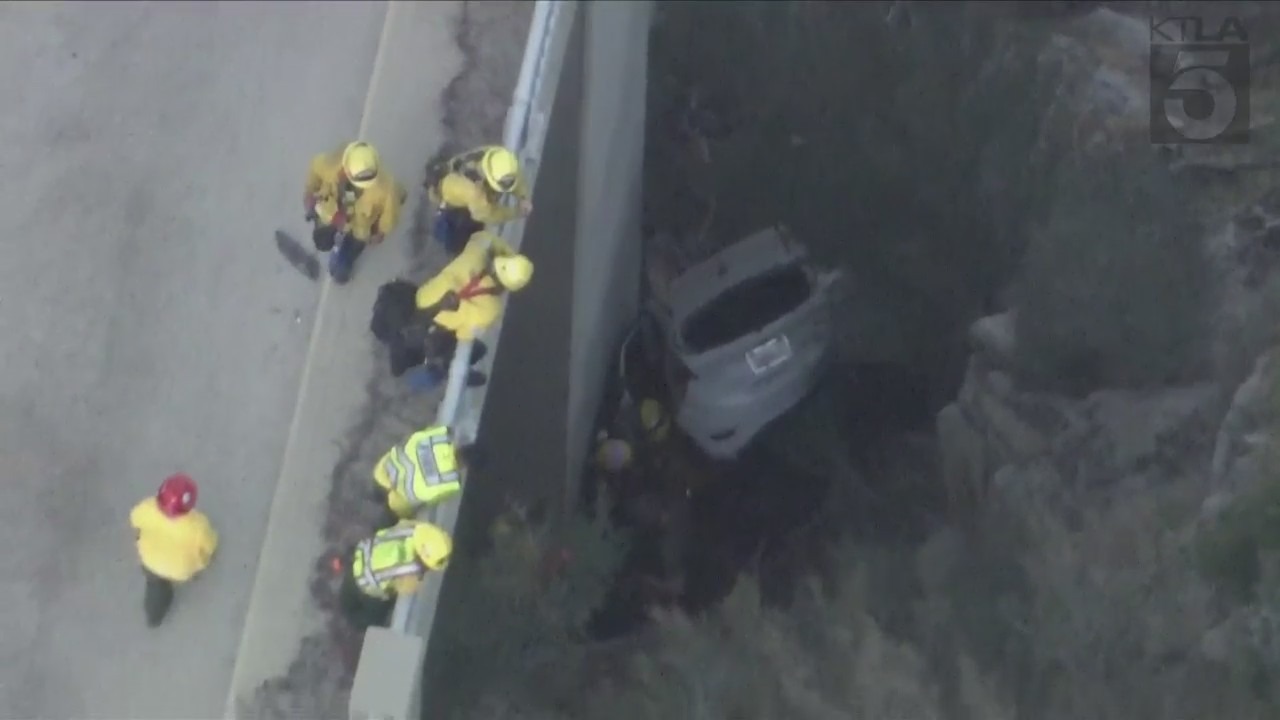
(612, 60)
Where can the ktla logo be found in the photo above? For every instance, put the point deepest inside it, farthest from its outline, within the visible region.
(1199, 81)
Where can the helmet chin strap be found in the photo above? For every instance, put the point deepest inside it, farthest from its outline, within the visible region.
(345, 184)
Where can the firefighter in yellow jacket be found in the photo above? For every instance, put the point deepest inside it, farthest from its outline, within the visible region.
(424, 470)
(353, 201)
(463, 300)
(391, 563)
(175, 543)
(468, 191)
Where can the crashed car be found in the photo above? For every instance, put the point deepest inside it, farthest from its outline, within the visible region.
(737, 339)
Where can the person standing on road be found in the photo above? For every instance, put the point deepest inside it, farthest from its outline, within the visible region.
(175, 542)
(424, 470)
(468, 191)
(391, 563)
(352, 202)
(474, 283)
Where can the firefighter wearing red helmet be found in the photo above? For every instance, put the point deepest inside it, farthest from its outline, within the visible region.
(175, 542)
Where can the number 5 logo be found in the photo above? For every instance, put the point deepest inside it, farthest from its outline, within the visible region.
(1196, 74)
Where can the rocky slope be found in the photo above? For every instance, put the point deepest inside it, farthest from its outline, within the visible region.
(1115, 436)
(1003, 445)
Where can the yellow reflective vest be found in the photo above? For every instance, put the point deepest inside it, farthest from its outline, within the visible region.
(387, 563)
(423, 470)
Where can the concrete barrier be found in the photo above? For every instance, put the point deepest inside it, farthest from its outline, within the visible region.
(602, 47)
(391, 658)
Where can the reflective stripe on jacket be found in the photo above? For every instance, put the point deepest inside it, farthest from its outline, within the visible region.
(424, 469)
(384, 558)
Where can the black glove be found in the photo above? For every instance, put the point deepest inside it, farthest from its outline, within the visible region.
(449, 302)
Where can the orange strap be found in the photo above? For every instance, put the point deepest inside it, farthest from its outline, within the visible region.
(472, 288)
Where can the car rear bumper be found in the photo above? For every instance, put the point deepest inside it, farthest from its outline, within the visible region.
(723, 424)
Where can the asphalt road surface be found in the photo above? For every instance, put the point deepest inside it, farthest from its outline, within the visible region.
(148, 152)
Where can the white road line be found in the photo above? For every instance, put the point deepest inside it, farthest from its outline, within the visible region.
(322, 305)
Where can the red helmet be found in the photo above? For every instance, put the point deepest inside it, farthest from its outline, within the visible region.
(177, 495)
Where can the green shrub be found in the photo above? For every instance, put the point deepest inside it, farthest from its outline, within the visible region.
(1115, 618)
(824, 658)
(1230, 550)
(1115, 288)
(518, 614)
(1107, 623)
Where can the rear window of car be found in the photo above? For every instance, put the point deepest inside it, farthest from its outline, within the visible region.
(746, 307)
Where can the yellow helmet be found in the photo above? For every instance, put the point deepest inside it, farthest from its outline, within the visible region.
(360, 164)
(653, 418)
(433, 545)
(500, 167)
(513, 271)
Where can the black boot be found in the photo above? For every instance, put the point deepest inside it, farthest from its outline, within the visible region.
(324, 237)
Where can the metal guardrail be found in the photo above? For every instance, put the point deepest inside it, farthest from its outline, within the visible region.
(524, 132)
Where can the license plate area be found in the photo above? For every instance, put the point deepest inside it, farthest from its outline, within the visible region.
(769, 354)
